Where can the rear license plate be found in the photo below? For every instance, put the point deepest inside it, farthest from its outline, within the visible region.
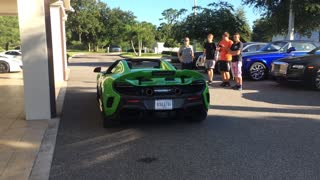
(163, 104)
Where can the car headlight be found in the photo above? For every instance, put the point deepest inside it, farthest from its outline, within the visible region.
(297, 66)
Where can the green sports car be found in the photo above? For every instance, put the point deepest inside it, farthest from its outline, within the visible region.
(147, 88)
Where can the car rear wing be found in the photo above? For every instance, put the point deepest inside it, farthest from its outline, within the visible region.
(148, 77)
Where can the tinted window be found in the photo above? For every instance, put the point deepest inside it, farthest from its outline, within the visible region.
(274, 46)
(144, 64)
(315, 51)
(117, 69)
(253, 48)
(303, 46)
(15, 53)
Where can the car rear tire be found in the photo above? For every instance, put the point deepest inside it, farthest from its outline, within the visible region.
(258, 71)
(317, 81)
(199, 117)
(4, 67)
(108, 122)
(98, 95)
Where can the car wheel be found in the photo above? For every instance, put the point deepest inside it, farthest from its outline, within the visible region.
(317, 82)
(258, 71)
(199, 117)
(98, 96)
(108, 122)
(4, 67)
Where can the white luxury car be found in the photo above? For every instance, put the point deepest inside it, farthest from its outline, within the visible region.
(12, 53)
(8, 64)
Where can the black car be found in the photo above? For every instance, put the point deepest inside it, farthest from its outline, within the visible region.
(304, 69)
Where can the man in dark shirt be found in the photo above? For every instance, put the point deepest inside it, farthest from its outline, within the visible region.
(236, 63)
(208, 51)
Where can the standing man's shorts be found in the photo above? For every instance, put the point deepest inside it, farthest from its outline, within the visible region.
(237, 68)
(224, 66)
(210, 64)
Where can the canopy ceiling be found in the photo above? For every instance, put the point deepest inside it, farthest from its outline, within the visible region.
(9, 7)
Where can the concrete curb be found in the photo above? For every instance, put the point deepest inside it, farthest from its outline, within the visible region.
(41, 167)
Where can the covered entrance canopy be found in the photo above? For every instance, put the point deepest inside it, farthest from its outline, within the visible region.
(42, 34)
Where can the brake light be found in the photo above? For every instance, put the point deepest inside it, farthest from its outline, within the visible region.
(310, 67)
(193, 98)
(133, 101)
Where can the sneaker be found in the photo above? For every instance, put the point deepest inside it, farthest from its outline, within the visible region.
(227, 84)
(209, 82)
(223, 84)
(235, 86)
(239, 88)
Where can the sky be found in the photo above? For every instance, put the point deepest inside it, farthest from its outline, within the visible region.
(150, 10)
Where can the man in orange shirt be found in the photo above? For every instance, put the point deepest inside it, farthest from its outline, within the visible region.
(225, 59)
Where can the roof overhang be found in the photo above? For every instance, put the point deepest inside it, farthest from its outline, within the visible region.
(10, 8)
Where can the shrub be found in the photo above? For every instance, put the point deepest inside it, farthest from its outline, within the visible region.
(77, 45)
(171, 53)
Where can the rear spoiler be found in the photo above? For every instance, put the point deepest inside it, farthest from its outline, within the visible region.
(143, 76)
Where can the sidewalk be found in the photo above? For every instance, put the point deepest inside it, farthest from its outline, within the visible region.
(20, 140)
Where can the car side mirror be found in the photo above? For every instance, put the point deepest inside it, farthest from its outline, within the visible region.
(291, 49)
(97, 69)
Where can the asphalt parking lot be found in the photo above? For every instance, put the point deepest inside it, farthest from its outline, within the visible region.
(266, 131)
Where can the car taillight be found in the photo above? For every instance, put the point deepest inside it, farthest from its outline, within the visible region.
(193, 98)
(133, 101)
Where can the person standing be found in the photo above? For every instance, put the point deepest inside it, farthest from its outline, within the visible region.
(186, 54)
(225, 59)
(209, 51)
(236, 64)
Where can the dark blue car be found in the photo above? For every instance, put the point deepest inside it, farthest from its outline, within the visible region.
(257, 65)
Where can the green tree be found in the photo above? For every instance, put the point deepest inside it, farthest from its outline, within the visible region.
(95, 25)
(144, 34)
(306, 13)
(223, 15)
(243, 25)
(164, 31)
(9, 32)
(262, 30)
(118, 25)
(84, 22)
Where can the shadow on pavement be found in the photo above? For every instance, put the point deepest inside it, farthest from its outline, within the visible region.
(221, 147)
(272, 92)
(315, 111)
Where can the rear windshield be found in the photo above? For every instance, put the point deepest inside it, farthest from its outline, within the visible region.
(140, 64)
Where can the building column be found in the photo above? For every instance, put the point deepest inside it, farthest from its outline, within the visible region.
(36, 47)
(57, 40)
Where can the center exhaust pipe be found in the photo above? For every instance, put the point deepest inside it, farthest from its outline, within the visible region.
(149, 92)
(177, 91)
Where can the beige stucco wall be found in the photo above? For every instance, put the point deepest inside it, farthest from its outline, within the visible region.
(8, 7)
